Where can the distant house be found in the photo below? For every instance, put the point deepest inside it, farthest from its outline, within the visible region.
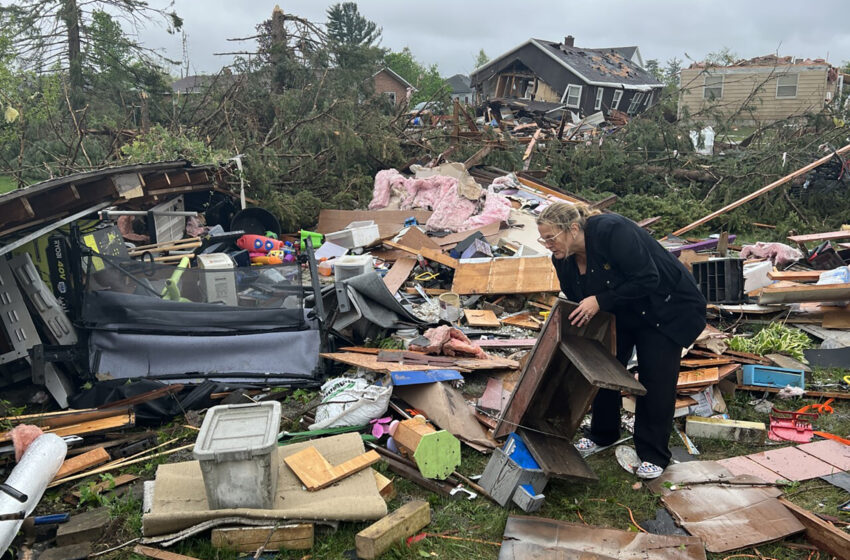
(582, 80)
(461, 90)
(760, 90)
(199, 83)
(396, 88)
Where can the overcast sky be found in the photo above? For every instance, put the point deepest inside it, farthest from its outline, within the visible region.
(451, 32)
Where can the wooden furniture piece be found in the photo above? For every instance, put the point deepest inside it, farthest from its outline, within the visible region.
(567, 366)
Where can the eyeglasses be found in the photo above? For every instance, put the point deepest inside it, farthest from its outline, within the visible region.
(548, 240)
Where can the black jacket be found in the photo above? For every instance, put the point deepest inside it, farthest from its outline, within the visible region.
(630, 273)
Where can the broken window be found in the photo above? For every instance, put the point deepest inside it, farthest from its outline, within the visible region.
(786, 86)
(636, 99)
(615, 103)
(572, 97)
(713, 88)
(599, 92)
(391, 96)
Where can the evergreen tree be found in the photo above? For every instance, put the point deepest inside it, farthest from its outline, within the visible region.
(481, 59)
(352, 38)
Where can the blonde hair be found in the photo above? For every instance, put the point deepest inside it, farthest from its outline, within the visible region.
(562, 215)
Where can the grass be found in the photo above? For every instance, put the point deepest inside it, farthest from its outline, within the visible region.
(7, 184)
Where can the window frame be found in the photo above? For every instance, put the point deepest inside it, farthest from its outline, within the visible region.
(600, 92)
(615, 103)
(706, 87)
(390, 95)
(796, 85)
(634, 103)
(566, 101)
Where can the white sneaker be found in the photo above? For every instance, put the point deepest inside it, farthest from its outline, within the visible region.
(648, 470)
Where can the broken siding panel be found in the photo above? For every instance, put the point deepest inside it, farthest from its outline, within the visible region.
(739, 86)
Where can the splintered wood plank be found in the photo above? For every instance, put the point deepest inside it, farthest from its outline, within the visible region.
(833, 452)
(698, 363)
(399, 273)
(793, 464)
(371, 362)
(481, 318)
(386, 486)
(120, 480)
(598, 366)
(826, 236)
(795, 275)
(788, 362)
(557, 457)
(404, 522)
(742, 465)
(316, 473)
(822, 534)
(698, 377)
(506, 275)
(82, 462)
(795, 294)
(87, 423)
(297, 536)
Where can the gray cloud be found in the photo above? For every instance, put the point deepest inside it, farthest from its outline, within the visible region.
(450, 33)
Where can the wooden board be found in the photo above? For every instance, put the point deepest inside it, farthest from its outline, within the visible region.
(557, 457)
(505, 343)
(95, 426)
(82, 462)
(506, 275)
(794, 294)
(599, 367)
(415, 239)
(836, 319)
(453, 239)
(297, 536)
(316, 473)
(404, 522)
(481, 318)
(399, 273)
(698, 377)
(822, 534)
(826, 236)
(430, 254)
(371, 362)
(84, 422)
(525, 320)
(703, 362)
(386, 486)
(795, 275)
(388, 221)
(788, 362)
(158, 554)
(105, 485)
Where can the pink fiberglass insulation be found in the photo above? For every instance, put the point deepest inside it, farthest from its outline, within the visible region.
(779, 253)
(497, 208)
(449, 341)
(22, 436)
(383, 190)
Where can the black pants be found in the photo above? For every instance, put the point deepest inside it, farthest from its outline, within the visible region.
(658, 363)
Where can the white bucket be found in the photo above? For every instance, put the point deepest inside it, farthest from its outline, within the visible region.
(450, 307)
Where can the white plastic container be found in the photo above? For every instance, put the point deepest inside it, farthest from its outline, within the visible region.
(218, 281)
(237, 450)
(355, 234)
(350, 266)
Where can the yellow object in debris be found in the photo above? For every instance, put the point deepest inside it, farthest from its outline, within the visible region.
(544, 314)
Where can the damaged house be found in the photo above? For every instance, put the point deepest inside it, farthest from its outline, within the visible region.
(583, 80)
(762, 90)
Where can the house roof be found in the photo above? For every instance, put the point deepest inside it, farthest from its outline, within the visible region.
(199, 82)
(389, 71)
(767, 60)
(597, 67)
(459, 83)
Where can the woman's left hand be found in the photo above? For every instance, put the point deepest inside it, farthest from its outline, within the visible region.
(584, 312)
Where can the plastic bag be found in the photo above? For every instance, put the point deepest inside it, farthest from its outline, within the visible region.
(840, 275)
(350, 402)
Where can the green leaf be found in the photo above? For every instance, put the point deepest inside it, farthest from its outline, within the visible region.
(11, 114)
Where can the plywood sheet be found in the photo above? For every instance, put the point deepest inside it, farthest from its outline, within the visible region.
(793, 464)
(743, 466)
(399, 273)
(415, 239)
(833, 452)
(449, 241)
(506, 275)
(698, 377)
(315, 472)
(481, 318)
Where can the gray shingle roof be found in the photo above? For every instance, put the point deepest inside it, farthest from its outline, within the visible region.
(598, 65)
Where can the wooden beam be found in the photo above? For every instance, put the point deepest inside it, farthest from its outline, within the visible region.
(824, 535)
(430, 254)
(828, 236)
(795, 275)
(296, 536)
(404, 522)
(761, 191)
(797, 294)
(82, 462)
(316, 473)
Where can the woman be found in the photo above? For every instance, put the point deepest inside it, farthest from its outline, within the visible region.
(607, 262)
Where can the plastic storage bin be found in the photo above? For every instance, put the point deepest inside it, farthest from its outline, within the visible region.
(721, 280)
(237, 450)
(350, 266)
(218, 281)
(355, 234)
